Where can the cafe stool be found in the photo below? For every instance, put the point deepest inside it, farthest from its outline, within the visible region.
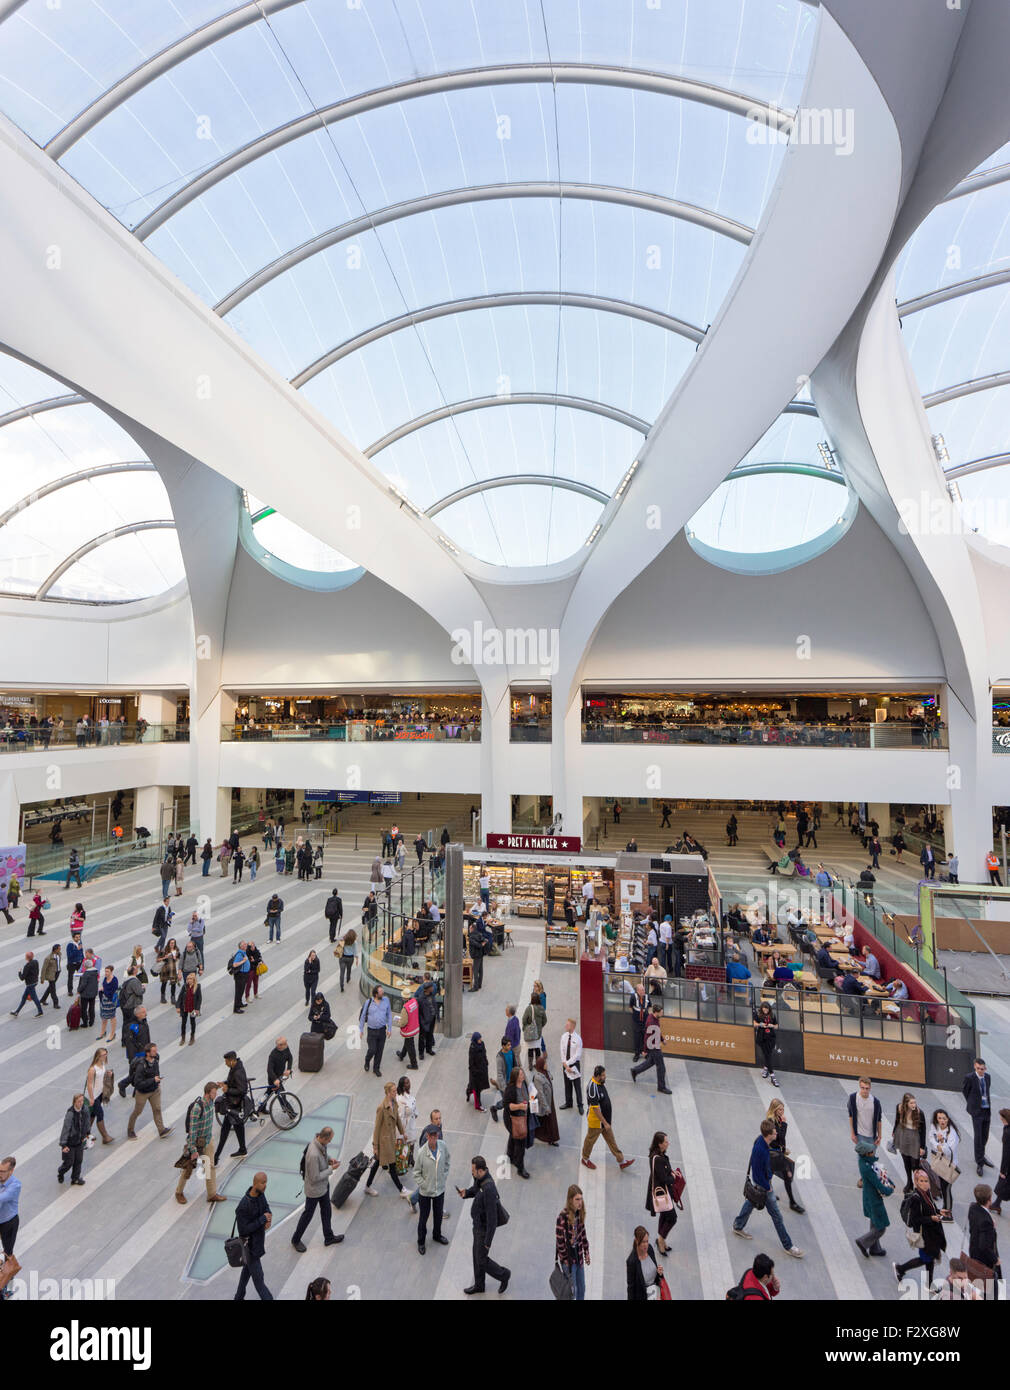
(509, 943)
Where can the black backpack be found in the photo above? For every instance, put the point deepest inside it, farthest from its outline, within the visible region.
(737, 1293)
(301, 1164)
(905, 1210)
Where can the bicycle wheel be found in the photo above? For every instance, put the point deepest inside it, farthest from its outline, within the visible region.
(285, 1110)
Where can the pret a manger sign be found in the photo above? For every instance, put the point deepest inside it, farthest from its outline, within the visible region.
(549, 844)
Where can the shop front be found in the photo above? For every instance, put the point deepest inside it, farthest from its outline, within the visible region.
(353, 717)
(531, 884)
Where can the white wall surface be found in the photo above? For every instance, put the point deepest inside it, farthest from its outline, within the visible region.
(285, 636)
(47, 774)
(734, 773)
(684, 619)
(48, 644)
(386, 766)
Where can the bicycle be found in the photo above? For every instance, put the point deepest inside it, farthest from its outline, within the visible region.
(283, 1107)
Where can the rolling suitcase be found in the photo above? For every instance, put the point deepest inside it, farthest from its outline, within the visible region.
(310, 1052)
(355, 1171)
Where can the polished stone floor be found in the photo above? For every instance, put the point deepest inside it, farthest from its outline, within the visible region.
(125, 1226)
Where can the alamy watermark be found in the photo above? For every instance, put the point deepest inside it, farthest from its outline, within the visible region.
(930, 515)
(812, 125)
(511, 646)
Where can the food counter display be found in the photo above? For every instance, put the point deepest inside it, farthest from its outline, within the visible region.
(518, 883)
(561, 943)
(499, 879)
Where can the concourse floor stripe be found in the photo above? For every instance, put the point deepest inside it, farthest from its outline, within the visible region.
(82, 1059)
(49, 1136)
(457, 1270)
(47, 1220)
(956, 1236)
(710, 1221)
(594, 1189)
(822, 1224)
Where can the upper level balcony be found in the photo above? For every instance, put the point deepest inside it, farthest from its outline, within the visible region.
(419, 730)
(760, 734)
(61, 735)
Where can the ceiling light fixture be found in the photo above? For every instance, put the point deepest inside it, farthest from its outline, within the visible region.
(405, 501)
(442, 540)
(594, 533)
(940, 449)
(827, 454)
(953, 491)
(626, 479)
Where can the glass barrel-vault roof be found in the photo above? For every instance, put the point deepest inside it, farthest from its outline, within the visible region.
(953, 290)
(787, 492)
(578, 175)
(83, 514)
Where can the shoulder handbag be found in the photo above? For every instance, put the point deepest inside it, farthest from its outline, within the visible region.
(143, 977)
(943, 1167)
(108, 1084)
(236, 1248)
(661, 1199)
(757, 1196)
(186, 1161)
(679, 1184)
(976, 1269)
(781, 1166)
(561, 1285)
(262, 968)
(665, 1296)
(519, 1126)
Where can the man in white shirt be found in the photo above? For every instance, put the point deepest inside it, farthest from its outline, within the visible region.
(587, 893)
(666, 944)
(651, 942)
(571, 1065)
(436, 912)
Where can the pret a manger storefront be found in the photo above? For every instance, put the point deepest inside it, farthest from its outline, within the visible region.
(521, 868)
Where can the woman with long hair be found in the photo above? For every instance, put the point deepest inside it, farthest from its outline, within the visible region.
(188, 1007)
(94, 1088)
(781, 1164)
(407, 1107)
(310, 975)
(659, 1194)
(643, 1269)
(347, 953)
(766, 1027)
(943, 1141)
(909, 1135)
(547, 1116)
(571, 1244)
(169, 972)
(386, 1130)
(516, 1112)
(318, 1291)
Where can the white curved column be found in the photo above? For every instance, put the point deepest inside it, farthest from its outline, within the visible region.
(828, 210)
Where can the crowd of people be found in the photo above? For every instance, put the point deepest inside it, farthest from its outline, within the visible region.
(520, 1082)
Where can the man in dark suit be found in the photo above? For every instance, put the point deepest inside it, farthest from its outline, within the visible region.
(639, 1006)
(253, 1217)
(486, 1215)
(976, 1088)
